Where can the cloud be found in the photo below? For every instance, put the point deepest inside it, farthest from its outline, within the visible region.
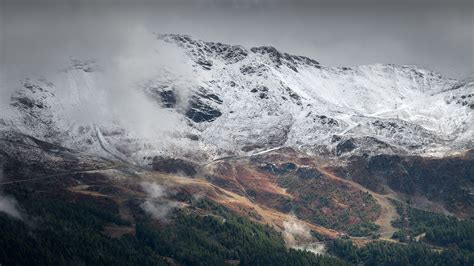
(297, 235)
(40, 40)
(118, 94)
(157, 204)
(8, 205)
(126, 56)
(295, 231)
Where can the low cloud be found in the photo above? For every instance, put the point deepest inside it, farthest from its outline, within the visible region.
(117, 94)
(157, 204)
(297, 235)
(8, 205)
(125, 52)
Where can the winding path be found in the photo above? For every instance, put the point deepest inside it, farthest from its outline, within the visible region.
(388, 212)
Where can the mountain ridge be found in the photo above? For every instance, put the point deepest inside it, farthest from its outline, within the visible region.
(238, 100)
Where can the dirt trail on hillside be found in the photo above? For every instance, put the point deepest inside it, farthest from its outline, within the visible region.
(388, 212)
(91, 170)
(243, 205)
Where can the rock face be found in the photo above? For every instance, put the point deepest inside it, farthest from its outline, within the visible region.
(238, 100)
(199, 109)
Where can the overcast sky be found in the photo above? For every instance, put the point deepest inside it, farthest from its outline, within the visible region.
(434, 34)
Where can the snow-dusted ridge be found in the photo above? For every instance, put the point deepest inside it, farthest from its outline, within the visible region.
(234, 100)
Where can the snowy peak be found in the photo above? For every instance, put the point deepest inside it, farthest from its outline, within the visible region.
(204, 52)
(237, 101)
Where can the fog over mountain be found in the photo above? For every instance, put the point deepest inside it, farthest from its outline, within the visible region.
(41, 37)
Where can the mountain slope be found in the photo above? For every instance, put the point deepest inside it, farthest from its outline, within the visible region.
(235, 100)
(219, 102)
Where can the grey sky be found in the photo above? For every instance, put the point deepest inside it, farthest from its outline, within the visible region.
(438, 35)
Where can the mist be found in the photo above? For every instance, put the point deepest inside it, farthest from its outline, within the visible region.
(297, 235)
(157, 204)
(116, 94)
(126, 56)
(8, 204)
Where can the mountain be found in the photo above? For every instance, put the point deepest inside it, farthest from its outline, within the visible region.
(237, 100)
(209, 147)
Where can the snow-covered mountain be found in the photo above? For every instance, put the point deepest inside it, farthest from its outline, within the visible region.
(233, 100)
